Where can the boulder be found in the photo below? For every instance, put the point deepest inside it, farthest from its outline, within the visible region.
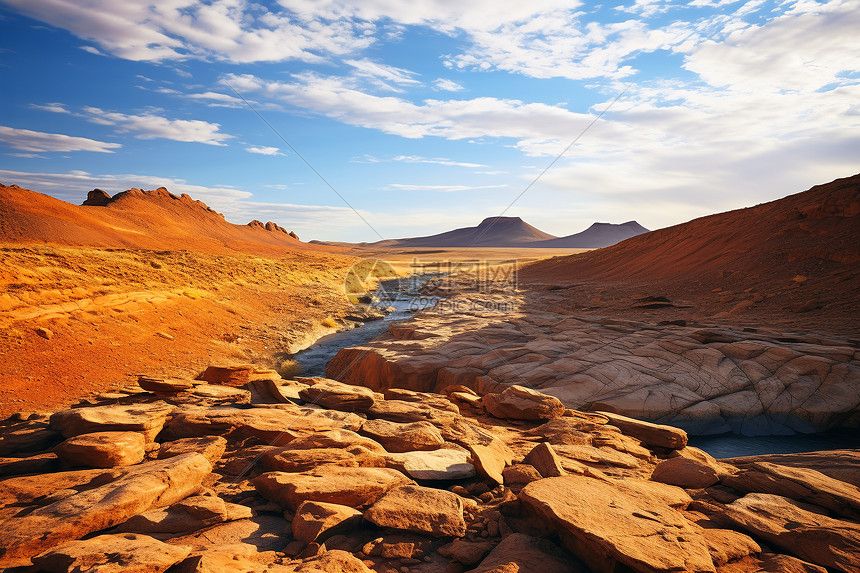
(655, 435)
(334, 561)
(227, 375)
(276, 426)
(29, 436)
(210, 447)
(520, 474)
(726, 545)
(469, 553)
(491, 459)
(443, 464)
(521, 403)
(632, 522)
(438, 401)
(344, 439)
(118, 553)
(424, 510)
(285, 460)
(398, 437)
(187, 516)
(220, 394)
(317, 521)
(166, 385)
(103, 449)
(544, 459)
(405, 412)
(798, 484)
(686, 472)
(147, 419)
(353, 487)
(520, 552)
(337, 395)
(137, 489)
(794, 527)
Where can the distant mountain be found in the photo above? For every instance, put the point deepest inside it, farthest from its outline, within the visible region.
(596, 236)
(513, 232)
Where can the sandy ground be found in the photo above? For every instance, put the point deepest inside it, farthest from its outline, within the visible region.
(80, 320)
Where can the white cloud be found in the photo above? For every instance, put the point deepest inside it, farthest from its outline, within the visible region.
(439, 188)
(151, 126)
(52, 107)
(417, 159)
(215, 99)
(446, 85)
(264, 150)
(383, 76)
(451, 119)
(37, 141)
(92, 50)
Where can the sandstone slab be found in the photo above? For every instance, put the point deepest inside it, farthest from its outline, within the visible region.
(353, 487)
(685, 472)
(424, 510)
(286, 460)
(799, 484)
(187, 516)
(147, 419)
(273, 426)
(137, 489)
(403, 437)
(337, 395)
(811, 536)
(544, 459)
(443, 464)
(317, 521)
(119, 553)
(210, 447)
(657, 435)
(520, 552)
(604, 523)
(521, 403)
(103, 449)
(166, 385)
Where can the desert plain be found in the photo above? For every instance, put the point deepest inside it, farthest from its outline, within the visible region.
(535, 418)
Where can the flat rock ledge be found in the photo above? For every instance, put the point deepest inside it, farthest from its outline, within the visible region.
(243, 471)
(703, 378)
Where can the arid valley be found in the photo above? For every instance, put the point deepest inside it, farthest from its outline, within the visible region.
(533, 410)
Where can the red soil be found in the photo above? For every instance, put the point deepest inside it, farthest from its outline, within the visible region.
(795, 256)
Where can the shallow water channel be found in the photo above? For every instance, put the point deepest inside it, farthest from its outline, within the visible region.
(402, 295)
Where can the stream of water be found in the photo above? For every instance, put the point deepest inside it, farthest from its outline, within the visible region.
(403, 297)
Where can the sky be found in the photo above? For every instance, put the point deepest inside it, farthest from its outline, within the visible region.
(356, 120)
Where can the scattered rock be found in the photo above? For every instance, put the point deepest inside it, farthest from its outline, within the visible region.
(419, 509)
(227, 375)
(544, 459)
(521, 403)
(44, 332)
(148, 419)
(519, 552)
(185, 517)
(798, 529)
(446, 464)
(120, 553)
(337, 395)
(166, 385)
(398, 437)
(799, 484)
(103, 449)
(632, 522)
(353, 487)
(286, 460)
(210, 447)
(317, 521)
(656, 435)
(137, 489)
(685, 472)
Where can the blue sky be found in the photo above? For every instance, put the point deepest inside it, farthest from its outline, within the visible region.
(430, 115)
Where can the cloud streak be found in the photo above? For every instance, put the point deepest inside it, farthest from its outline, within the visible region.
(37, 141)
